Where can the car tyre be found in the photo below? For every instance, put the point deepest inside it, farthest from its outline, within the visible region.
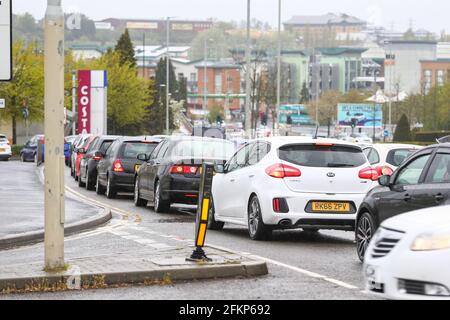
(138, 201)
(256, 228)
(365, 229)
(80, 182)
(212, 223)
(111, 192)
(88, 184)
(160, 205)
(99, 189)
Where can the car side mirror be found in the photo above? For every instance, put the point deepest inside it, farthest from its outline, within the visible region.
(143, 157)
(219, 168)
(81, 151)
(385, 181)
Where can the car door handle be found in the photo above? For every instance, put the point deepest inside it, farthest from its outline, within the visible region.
(407, 197)
(232, 180)
(251, 176)
(439, 197)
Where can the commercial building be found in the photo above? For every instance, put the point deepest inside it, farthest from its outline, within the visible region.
(435, 73)
(298, 62)
(403, 66)
(322, 77)
(86, 51)
(342, 26)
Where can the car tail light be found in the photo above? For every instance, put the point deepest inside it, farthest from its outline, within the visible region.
(97, 158)
(118, 167)
(384, 171)
(280, 205)
(184, 170)
(369, 174)
(281, 171)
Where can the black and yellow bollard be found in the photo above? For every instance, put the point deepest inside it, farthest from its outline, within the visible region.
(204, 203)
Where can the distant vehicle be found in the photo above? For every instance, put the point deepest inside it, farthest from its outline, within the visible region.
(171, 174)
(361, 117)
(420, 182)
(88, 164)
(69, 141)
(386, 158)
(81, 151)
(291, 183)
(78, 143)
(358, 138)
(118, 166)
(5, 148)
(444, 140)
(409, 256)
(29, 151)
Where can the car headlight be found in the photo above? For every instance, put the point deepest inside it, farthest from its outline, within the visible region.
(430, 242)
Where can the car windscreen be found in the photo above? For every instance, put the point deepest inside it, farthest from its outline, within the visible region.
(207, 149)
(132, 149)
(322, 156)
(398, 156)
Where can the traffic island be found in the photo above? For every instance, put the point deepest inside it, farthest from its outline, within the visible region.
(133, 268)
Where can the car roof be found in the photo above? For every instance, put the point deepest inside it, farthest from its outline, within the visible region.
(280, 141)
(393, 146)
(196, 138)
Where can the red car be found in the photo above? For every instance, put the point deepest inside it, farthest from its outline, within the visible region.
(80, 155)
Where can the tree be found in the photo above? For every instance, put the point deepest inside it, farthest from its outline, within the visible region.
(216, 114)
(403, 131)
(327, 107)
(304, 94)
(125, 49)
(157, 110)
(26, 88)
(128, 95)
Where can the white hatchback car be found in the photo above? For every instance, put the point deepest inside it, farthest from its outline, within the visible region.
(409, 256)
(5, 148)
(291, 183)
(386, 158)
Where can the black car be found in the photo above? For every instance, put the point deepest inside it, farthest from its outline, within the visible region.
(118, 167)
(88, 165)
(422, 181)
(172, 173)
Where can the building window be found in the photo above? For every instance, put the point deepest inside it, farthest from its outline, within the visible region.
(218, 83)
(193, 77)
(440, 78)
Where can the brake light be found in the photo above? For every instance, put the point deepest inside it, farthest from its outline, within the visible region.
(118, 167)
(183, 170)
(369, 174)
(384, 171)
(97, 158)
(281, 171)
(324, 144)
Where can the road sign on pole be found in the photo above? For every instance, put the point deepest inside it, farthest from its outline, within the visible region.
(5, 40)
(204, 204)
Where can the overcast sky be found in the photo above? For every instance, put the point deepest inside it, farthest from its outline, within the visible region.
(431, 14)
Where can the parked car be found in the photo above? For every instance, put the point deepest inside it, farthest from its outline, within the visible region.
(358, 138)
(5, 148)
(292, 183)
(81, 151)
(386, 158)
(118, 167)
(70, 141)
(29, 151)
(78, 143)
(88, 164)
(172, 172)
(422, 181)
(409, 256)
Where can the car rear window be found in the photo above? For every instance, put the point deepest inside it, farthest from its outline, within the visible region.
(398, 156)
(217, 149)
(132, 149)
(105, 146)
(323, 156)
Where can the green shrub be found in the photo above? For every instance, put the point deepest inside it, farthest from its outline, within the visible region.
(403, 131)
(430, 136)
(16, 150)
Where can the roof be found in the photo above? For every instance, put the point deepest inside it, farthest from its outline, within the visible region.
(281, 140)
(341, 50)
(436, 61)
(330, 18)
(429, 42)
(88, 46)
(218, 65)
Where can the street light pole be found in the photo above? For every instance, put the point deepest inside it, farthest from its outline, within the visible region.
(167, 76)
(205, 80)
(278, 63)
(248, 112)
(54, 136)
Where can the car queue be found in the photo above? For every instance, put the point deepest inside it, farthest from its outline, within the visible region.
(283, 183)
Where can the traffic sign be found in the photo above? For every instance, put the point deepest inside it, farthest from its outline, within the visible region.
(5, 40)
(386, 133)
(2, 104)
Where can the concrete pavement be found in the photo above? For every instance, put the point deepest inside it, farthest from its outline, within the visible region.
(22, 207)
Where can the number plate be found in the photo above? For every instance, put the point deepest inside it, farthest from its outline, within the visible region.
(340, 207)
(137, 167)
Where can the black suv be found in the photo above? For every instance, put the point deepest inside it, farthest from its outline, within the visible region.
(117, 169)
(423, 181)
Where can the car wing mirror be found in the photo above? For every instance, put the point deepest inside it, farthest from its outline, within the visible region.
(385, 181)
(81, 151)
(143, 157)
(219, 168)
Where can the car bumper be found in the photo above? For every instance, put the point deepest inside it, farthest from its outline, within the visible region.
(122, 181)
(4, 156)
(392, 277)
(300, 217)
(181, 189)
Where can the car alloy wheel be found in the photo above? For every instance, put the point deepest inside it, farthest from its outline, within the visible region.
(212, 223)
(253, 218)
(138, 201)
(161, 206)
(364, 234)
(256, 227)
(98, 187)
(110, 192)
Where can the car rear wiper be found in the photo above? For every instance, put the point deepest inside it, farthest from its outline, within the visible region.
(340, 165)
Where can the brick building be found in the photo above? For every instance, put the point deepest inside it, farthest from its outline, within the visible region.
(434, 73)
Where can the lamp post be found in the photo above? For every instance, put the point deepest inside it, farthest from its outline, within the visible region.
(168, 74)
(248, 111)
(54, 135)
(279, 62)
(375, 74)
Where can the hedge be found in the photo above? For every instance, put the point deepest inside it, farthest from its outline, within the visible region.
(430, 136)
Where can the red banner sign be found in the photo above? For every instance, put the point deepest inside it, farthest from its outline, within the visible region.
(84, 101)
